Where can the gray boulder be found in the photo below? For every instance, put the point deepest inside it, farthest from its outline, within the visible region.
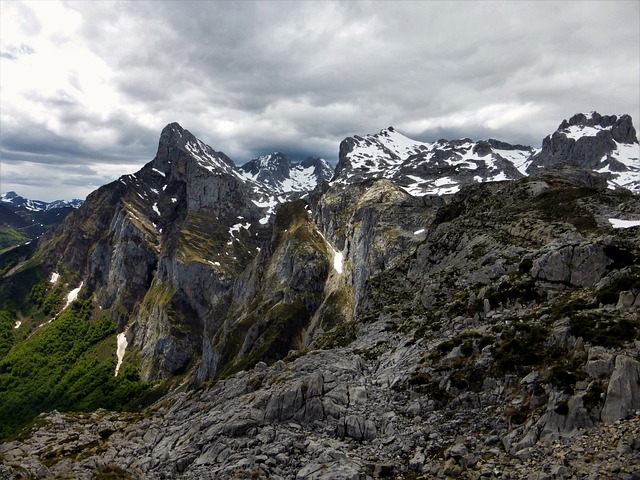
(623, 394)
(579, 265)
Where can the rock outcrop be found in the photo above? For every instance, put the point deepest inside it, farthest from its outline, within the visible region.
(595, 142)
(623, 393)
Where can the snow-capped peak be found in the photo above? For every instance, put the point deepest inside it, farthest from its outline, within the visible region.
(423, 168)
(15, 200)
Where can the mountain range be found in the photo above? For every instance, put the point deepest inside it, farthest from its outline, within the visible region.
(424, 310)
(23, 220)
(606, 144)
(16, 201)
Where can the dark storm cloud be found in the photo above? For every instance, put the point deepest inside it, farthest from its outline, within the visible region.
(37, 145)
(253, 77)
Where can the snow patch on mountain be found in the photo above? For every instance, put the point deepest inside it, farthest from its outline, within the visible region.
(617, 223)
(121, 348)
(72, 295)
(337, 261)
(577, 131)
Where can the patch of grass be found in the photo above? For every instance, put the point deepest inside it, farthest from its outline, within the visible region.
(340, 336)
(564, 376)
(609, 295)
(507, 293)
(522, 347)
(466, 340)
(10, 237)
(423, 383)
(604, 329)
(112, 472)
(570, 308)
(468, 378)
(563, 204)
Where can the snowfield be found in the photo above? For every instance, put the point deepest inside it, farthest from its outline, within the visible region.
(617, 223)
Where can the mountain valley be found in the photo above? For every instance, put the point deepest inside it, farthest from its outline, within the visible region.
(454, 309)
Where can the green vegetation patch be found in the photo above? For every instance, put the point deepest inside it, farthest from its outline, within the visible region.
(522, 347)
(16, 288)
(569, 308)
(424, 383)
(288, 214)
(7, 323)
(203, 238)
(507, 293)
(340, 336)
(563, 204)
(47, 296)
(66, 365)
(158, 296)
(10, 237)
(604, 329)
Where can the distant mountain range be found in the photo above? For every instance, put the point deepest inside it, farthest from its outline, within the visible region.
(605, 144)
(14, 200)
(22, 219)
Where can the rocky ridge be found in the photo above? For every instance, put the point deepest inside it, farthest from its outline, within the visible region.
(607, 144)
(360, 332)
(476, 354)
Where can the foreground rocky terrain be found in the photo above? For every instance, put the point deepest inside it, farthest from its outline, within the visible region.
(519, 364)
(325, 415)
(356, 332)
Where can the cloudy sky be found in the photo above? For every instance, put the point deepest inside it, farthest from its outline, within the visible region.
(86, 87)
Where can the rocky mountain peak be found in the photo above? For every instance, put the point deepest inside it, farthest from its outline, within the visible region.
(621, 126)
(607, 144)
(174, 133)
(8, 196)
(176, 141)
(280, 176)
(274, 163)
(321, 167)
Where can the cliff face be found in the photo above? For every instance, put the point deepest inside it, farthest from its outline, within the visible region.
(158, 249)
(182, 258)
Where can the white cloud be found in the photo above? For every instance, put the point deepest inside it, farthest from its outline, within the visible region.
(93, 83)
